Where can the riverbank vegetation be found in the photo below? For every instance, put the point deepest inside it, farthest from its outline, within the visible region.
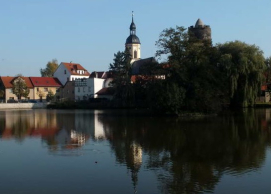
(195, 76)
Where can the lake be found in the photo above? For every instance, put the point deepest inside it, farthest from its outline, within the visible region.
(94, 151)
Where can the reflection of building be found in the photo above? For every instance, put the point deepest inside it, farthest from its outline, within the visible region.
(134, 161)
(20, 124)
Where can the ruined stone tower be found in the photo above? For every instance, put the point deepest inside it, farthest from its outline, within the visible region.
(201, 31)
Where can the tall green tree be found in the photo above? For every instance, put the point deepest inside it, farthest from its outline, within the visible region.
(192, 66)
(268, 70)
(19, 88)
(49, 69)
(244, 65)
(121, 71)
(2, 93)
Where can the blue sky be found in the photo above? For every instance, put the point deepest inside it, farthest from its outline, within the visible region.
(89, 32)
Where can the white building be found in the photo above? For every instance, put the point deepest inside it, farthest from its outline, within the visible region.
(87, 88)
(69, 72)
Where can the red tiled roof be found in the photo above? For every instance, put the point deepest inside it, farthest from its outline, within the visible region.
(45, 81)
(7, 81)
(73, 67)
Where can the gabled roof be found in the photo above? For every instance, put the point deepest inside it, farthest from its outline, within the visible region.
(73, 67)
(99, 74)
(141, 62)
(106, 91)
(7, 81)
(45, 81)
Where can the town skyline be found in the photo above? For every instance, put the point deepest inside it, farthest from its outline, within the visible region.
(90, 32)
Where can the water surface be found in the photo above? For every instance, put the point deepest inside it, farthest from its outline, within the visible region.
(83, 151)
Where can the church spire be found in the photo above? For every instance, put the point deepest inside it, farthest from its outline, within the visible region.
(133, 42)
(132, 26)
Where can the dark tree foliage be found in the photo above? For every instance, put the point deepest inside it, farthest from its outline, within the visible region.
(244, 65)
(121, 71)
(192, 66)
(195, 75)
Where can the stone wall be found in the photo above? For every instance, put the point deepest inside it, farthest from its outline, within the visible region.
(22, 105)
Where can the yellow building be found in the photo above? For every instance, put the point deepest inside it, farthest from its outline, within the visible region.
(42, 86)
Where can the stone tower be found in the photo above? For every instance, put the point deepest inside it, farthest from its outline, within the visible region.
(201, 31)
(133, 42)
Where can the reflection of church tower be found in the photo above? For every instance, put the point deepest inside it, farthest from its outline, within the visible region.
(134, 162)
(200, 31)
(133, 42)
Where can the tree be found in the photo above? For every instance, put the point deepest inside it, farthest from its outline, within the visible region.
(121, 71)
(244, 65)
(50, 96)
(2, 93)
(50, 68)
(41, 94)
(19, 88)
(192, 66)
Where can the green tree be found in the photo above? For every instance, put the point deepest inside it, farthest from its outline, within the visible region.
(50, 96)
(19, 88)
(192, 66)
(244, 65)
(268, 70)
(121, 71)
(49, 69)
(2, 94)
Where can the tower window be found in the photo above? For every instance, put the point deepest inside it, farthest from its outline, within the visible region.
(135, 54)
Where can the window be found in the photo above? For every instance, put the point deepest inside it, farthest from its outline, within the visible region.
(10, 90)
(11, 98)
(65, 72)
(45, 89)
(38, 89)
(89, 89)
(135, 54)
(84, 89)
(78, 89)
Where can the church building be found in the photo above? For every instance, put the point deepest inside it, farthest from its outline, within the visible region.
(133, 42)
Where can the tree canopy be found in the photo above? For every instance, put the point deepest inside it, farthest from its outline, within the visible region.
(244, 65)
(49, 69)
(121, 70)
(19, 88)
(195, 76)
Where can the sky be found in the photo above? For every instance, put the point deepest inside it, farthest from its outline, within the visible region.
(89, 32)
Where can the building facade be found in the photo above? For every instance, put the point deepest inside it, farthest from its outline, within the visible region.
(42, 86)
(70, 72)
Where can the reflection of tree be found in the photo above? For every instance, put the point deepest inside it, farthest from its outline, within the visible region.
(20, 127)
(189, 156)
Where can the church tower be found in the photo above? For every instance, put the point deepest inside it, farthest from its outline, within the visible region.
(133, 42)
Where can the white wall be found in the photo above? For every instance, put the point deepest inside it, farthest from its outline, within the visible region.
(60, 74)
(22, 105)
(96, 84)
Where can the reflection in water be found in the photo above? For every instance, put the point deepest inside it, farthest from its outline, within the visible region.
(186, 155)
